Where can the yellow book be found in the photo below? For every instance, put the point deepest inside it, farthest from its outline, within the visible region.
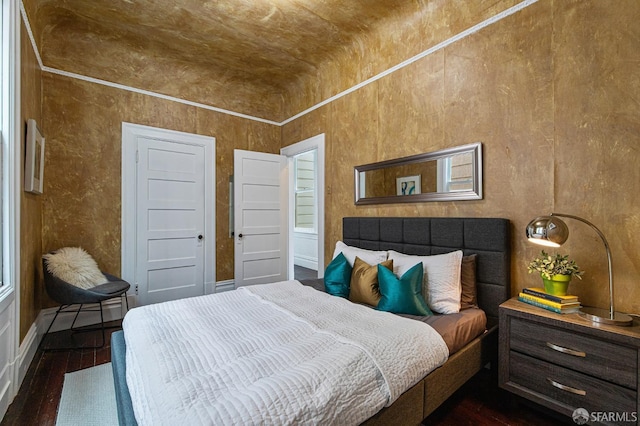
(572, 309)
(539, 292)
(540, 300)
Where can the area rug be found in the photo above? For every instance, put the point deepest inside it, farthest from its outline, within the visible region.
(88, 398)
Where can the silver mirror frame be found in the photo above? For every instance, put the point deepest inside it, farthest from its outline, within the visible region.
(474, 194)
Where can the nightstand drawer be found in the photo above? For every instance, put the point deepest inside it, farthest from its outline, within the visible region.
(601, 359)
(569, 388)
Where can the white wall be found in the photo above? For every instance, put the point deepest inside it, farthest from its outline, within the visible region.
(305, 250)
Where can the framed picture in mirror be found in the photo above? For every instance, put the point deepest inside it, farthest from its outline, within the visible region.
(408, 185)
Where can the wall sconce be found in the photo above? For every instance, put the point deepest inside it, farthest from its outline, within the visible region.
(551, 231)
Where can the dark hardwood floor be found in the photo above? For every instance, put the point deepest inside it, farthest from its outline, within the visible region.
(301, 273)
(479, 402)
(39, 395)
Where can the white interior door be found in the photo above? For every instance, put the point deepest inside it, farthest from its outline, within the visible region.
(261, 217)
(168, 224)
(170, 220)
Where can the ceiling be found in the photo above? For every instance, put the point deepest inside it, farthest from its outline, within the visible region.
(214, 52)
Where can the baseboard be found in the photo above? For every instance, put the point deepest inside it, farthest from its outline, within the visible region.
(306, 262)
(113, 310)
(27, 351)
(226, 285)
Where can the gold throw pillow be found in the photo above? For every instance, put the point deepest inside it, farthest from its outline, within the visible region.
(364, 282)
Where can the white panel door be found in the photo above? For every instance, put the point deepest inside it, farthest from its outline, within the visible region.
(261, 217)
(170, 220)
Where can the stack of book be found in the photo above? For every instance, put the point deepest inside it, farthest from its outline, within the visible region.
(560, 304)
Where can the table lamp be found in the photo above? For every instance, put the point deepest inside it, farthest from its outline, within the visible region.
(551, 231)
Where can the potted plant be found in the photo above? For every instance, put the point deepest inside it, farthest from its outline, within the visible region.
(556, 272)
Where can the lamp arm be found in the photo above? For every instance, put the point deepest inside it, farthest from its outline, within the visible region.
(606, 246)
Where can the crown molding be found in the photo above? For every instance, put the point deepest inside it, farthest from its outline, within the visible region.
(156, 95)
(487, 22)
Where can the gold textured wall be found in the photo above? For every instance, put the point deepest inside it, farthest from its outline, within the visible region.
(159, 54)
(82, 202)
(551, 91)
(30, 204)
(385, 44)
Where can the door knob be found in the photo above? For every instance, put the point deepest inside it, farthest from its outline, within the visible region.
(239, 235)
(200, 237)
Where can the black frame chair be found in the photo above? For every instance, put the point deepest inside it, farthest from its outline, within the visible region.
(69, 295)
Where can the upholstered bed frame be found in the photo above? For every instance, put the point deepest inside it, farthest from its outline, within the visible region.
(487, 237)
(490, 239)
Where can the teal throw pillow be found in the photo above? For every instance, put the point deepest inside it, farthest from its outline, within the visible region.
(337, 277)
(403, 295)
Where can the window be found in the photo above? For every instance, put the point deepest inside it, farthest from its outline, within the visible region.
(3, 108)
(8, 147)
(305, 191)
(458, 173)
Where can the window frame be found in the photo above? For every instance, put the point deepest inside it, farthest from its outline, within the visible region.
(445, 168)
(10, 152)
(314, 190)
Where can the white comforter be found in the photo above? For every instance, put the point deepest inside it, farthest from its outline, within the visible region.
(270, 354)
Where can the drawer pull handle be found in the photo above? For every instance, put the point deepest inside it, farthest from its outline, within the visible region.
(566, 350)
(566, 388)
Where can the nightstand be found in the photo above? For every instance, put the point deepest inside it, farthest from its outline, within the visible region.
(564, 362)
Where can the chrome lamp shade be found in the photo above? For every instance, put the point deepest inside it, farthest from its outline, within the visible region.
(547, 231)
(551, 231)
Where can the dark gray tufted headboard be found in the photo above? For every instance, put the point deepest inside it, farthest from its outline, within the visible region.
(487, 237)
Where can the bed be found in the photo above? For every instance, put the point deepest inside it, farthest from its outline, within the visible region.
(486, 237)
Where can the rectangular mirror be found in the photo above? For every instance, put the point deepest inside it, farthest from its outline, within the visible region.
(446, 175)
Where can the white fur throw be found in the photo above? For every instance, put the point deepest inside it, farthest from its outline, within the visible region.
(75, 266)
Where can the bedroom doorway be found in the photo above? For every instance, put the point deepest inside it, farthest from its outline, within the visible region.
(168, 232)
(306, 207)
(258, 257)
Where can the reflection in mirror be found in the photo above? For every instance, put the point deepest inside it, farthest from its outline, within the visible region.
(449, 174)
(305, 191)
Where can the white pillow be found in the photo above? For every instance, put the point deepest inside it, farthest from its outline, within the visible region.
(372, 257)
(441, 285)
(75, 266)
